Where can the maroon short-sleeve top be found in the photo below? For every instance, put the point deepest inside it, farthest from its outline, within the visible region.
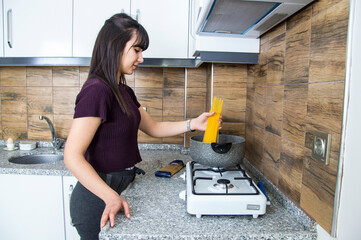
(115, 144)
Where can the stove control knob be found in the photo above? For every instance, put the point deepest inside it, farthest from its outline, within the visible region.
(182, 195)
(183, 176)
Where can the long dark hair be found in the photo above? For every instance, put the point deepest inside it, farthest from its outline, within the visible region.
(108, 51)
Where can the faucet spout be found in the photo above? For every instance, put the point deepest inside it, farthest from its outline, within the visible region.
(50, 125)
(57, 143)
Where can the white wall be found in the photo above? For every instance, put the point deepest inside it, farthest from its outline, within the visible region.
(349, 212)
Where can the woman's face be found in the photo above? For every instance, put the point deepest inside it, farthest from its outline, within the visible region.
(131, 58)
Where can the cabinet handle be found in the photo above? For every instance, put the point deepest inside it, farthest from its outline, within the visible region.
(70, 192)
(192, 20)
(10, 27)
(138, 15)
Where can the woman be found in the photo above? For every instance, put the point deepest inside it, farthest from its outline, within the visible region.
(102, 148)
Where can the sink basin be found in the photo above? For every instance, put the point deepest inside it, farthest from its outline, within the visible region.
(36, 159)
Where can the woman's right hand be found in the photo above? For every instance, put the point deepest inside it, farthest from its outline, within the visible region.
(112, 206)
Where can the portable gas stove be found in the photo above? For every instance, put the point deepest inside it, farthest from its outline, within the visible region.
(214, 191)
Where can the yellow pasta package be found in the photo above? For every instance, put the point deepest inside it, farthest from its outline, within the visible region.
(211, 133)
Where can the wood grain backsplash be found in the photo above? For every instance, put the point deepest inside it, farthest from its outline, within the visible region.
(169, 94)
(296, 88)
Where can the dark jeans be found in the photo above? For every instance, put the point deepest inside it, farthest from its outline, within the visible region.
(86, 208)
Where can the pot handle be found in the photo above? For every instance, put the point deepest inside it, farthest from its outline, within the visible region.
(221, 148)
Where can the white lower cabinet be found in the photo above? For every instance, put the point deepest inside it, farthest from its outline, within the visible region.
(68, 186)
(31, 207)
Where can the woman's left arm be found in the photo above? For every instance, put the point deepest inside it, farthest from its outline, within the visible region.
(167, 129)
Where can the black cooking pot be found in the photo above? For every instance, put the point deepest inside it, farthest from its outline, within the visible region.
(227, 152)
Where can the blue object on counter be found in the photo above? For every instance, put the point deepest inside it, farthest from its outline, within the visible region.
(260, 185)
(169, 170)
(163, 174)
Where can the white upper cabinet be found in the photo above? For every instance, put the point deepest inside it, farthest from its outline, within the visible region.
(89, 17)
(37, 28)
(68, 28)
(166, 22)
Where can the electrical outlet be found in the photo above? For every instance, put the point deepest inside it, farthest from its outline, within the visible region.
(321, 146)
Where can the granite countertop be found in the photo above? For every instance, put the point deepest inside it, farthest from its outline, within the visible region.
(158, 212)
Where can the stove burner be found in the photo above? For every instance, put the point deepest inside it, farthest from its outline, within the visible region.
(223, 184)
(223, 181)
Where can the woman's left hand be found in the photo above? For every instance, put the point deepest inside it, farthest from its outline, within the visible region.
(200, 123)
(112, 206)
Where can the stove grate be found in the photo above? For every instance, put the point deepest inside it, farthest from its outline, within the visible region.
(226, 192)
(220, 171)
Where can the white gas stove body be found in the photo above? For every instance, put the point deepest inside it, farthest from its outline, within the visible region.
(207, 197)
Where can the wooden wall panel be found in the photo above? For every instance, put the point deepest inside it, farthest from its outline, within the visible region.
(151, 98)
(294, 113)
(275, 60)
(280, 127)
(14, 126)
(196, 102)
(39, 100)
(291, 168)
(12, 76)
(197, 77)
(174, 77)
(13, 100)
(149, 78)
(229, 75)
(66, 76)
(271, 157)
(298, 53)
(64, 100)
(318, 190)
(274, 109)
(324, 111)
(260, 107)
(39, 76)
(173, 102)
(328, 43)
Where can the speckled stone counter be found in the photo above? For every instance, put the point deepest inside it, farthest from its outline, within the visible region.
(53, 168)
(159, 213)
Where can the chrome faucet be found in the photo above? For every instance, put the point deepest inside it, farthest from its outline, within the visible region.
(57, 142)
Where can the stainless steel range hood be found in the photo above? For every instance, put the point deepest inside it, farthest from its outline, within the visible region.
(221, 27)
(245, 14)
(249, 18)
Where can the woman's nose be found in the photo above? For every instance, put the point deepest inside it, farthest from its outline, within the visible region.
(140, 57)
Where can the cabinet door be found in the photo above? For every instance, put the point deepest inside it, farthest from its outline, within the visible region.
(31, 207)
(166, 22)
(38, 28)
(68, 186)
(89, 17)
